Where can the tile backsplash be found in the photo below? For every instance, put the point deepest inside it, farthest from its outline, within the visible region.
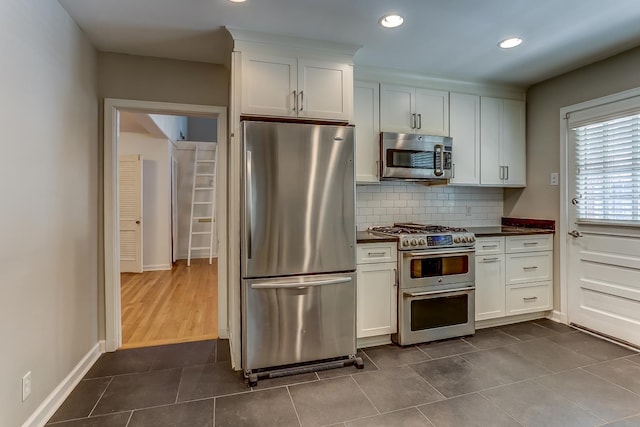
(392, 202)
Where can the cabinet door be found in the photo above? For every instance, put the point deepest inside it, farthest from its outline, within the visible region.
(464, 119)
(367, 120)
(268, 85)
(490, 125)
(432, 112)
(376, 300)
(513, 142)
(397, 106)
(490, 286)
(325, 90)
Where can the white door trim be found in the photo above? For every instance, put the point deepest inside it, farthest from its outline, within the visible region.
(565, 227)
(113, 327)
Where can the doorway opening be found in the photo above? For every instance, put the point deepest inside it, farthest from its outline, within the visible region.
(168, 273)
(162, 300)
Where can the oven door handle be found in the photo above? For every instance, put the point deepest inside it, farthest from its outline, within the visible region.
(447, 291)
(435, 253)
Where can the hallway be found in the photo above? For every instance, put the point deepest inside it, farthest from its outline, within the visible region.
(165, 307)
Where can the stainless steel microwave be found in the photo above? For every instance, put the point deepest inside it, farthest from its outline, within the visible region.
(405, 156)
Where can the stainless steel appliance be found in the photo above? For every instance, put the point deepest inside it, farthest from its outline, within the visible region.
(415, 157)
(436, 296)
(298, 246)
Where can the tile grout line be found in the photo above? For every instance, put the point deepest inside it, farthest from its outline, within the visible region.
(100, 398)
(500, 408)
(570, 400)
(213, 415)
(365, 395)
(179, 384)
(295, 410)
(607, 379)
(129, 419)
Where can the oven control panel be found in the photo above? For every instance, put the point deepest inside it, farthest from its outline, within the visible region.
(437, 241)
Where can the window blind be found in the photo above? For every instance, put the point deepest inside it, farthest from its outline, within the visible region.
(608, 169)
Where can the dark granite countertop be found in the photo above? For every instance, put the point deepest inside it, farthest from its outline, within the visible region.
(507, 230)
(366, 237)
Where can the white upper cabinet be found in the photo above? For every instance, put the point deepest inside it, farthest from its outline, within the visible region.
(502, 142)
(325, 90)
(367, 120)
(464, 127)
(409, 110)
(296, 87)
(268, 85)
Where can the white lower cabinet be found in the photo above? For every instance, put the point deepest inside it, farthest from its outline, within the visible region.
(376, 290)
(513, 275)
(489, 286)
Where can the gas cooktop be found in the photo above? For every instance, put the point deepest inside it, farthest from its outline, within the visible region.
(412, 236)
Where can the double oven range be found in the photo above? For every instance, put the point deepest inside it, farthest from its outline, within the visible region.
(436, 292)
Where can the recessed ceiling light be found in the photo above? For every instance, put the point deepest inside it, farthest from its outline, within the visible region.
(237, 1)
(391, 21)
(510, 42)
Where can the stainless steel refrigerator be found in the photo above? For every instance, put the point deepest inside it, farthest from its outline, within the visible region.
(298, 244)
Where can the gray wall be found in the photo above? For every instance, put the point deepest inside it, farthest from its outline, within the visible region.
(544, 100)
(49, 215)
(202, 129)
(153, 79)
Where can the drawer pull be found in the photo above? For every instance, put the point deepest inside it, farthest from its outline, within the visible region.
(533, 267)
(530, 298)
(376, 254)
(530, 243)
(489, 246)
(494, 259)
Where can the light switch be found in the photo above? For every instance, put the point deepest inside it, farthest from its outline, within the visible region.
(555, 178)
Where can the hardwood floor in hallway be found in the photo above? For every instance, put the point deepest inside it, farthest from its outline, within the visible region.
(163, 307)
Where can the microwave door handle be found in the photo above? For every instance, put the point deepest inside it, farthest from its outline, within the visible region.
(439, 149)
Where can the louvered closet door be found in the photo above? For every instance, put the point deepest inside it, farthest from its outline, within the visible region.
(130, 191)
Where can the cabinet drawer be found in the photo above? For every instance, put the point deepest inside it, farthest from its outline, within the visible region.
(377, 252)
(528, 267)
(529, 298)
(489, 245)
(529, 243)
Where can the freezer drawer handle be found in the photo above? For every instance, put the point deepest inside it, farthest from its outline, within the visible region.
(300, 285)
(447, 291)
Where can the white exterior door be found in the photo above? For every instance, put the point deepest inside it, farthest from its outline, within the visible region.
(130, 191)
(603, 240)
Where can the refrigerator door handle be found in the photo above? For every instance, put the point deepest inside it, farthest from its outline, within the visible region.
(299, 285)
(248, 202)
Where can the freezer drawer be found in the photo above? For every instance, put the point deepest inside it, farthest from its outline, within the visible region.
(298, 319)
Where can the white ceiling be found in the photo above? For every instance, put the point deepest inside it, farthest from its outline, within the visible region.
(446, 38)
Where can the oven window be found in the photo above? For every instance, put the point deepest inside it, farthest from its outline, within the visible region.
(439, 266)
(438, 312)
(412, 159)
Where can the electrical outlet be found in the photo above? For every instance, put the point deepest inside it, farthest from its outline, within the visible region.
(26, 386)
(555, 178)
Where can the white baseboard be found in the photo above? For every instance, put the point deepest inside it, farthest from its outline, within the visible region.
(55, 399)
(373, 341)
(223, 333)
(501, 321)
(559, 317)
(156, 267)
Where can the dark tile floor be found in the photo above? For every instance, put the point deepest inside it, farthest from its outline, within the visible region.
(536, 373)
